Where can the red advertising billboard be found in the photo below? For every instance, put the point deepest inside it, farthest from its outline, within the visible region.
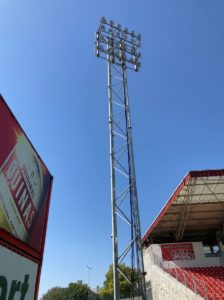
(180, 251)
(25, 188)
(25, 183)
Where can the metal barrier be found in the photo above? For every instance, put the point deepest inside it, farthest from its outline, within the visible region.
(189, 280)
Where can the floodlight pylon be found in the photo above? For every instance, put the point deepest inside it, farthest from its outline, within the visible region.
(120, 48)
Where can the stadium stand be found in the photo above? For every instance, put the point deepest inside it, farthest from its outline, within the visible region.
(183, 249)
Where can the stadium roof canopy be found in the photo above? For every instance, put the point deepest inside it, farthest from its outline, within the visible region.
(195, 212)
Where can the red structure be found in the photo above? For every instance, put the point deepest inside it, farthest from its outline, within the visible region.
(25, 188)
(186, 239)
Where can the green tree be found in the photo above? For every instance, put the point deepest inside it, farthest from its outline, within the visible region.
(77, 291)
(55, 293)
(74, 291)
(125, 288)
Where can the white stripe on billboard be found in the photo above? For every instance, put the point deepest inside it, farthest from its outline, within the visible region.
(17, 276)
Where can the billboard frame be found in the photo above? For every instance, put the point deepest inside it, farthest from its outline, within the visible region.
(16, 245)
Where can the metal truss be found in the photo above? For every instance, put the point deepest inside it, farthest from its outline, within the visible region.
(124, 198)
(186, 209)
(123, 180)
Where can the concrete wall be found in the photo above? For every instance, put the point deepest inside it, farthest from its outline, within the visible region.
(164, 286)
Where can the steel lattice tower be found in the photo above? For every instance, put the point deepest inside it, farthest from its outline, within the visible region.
(119, 48)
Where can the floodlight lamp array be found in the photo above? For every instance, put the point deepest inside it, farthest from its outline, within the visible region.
(117, 45)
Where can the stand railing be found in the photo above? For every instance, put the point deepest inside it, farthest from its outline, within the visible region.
(189, 280)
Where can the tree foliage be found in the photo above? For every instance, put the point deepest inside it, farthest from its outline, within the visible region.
(79, 291)
(75, 291)
(55, 293)
(125, 288)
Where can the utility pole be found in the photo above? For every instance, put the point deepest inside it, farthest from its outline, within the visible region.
(89, 270)
(120, 48)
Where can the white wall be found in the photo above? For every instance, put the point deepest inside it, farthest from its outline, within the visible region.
(200, 259)
(164, 286)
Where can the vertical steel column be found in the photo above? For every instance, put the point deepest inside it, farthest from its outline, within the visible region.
(136, 227)
(112, 184)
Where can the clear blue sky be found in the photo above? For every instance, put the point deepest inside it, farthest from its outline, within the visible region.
(58, 91)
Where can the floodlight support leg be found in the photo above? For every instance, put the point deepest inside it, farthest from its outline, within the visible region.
(136, 226)
(113, 190)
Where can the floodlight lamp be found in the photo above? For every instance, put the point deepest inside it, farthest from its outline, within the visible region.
(132, 33)
(123, 46)
(102, 28)
(103, 20)
(126, 30)
(137, 67)
(97, 42)
(139, 37)
(111, 23)
(119, 26)
(110, 41)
